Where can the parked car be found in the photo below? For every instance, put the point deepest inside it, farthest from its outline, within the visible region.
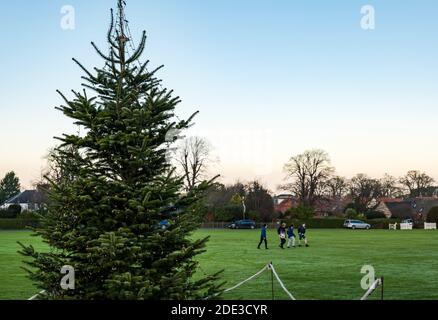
(356, 224)
(408, 221)
(242, 224)
(164, 224)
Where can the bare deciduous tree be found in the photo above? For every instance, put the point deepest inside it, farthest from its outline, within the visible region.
(336, 187)
(193, 158)
(390, 187)
(308, 171)
(416, 182)
(364, 191)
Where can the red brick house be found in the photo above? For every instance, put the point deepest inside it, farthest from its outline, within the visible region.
(284, 202)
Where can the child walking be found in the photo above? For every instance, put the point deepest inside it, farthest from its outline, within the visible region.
(263, 237)
(291, 236)
(302, 235)
(282, 234)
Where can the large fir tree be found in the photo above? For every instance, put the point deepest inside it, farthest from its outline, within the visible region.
(117, 185)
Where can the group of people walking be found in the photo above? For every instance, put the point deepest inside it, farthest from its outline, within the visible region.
(286, 234)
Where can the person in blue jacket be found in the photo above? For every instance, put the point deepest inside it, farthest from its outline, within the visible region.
(302, 235)
(263, 236)
(291, 236)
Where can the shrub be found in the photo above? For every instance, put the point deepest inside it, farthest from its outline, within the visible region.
(301, 212)
(432, 216)
(351, 213)
(315, 223)
(14, 209)
(254, 215)
(375, 215)
(29, 215)
(17, 224)
(382, 223)
(11, 212)
(275, 216)
(287, 214)
(351, 205)
(209, 217)
(228, 213)
(361, 216)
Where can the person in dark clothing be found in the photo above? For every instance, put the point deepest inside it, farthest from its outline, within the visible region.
(291, 236)
(302, 235)
(282, 234)
(263, 237)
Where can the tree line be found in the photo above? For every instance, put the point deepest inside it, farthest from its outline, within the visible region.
(311, 177)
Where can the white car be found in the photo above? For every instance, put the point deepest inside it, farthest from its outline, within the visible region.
(356, 224)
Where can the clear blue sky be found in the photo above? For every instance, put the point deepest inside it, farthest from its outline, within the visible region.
(271, 79)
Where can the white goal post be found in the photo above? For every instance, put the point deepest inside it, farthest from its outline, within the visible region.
(429, 226)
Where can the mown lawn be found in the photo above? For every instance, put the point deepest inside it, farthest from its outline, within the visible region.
(13, 281)
(328, 269)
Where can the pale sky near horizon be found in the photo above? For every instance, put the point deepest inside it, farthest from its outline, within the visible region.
(270, 79)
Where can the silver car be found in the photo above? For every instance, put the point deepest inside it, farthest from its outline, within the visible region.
(356, 224)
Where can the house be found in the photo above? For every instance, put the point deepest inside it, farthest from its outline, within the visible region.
(323, 207)
(399, 209)
(331, 206)
(28, 200)
(284, 202)
(414, 208)
(422, 205)
(386, 199)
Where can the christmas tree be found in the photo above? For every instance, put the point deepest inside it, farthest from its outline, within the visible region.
(116, 186)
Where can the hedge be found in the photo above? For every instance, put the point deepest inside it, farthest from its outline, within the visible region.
(338, 223)
(318, 223)
(11, 212)
(382, 223)
(17, 224)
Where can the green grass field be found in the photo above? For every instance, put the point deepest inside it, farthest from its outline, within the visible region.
(13, 281)
(328, 269)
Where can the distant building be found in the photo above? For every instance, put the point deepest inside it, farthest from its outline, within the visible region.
(334, 206)
(28, 200)
(284, 202)
(399, 209)
(385, 199)
(323, 207)
(414, 208)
